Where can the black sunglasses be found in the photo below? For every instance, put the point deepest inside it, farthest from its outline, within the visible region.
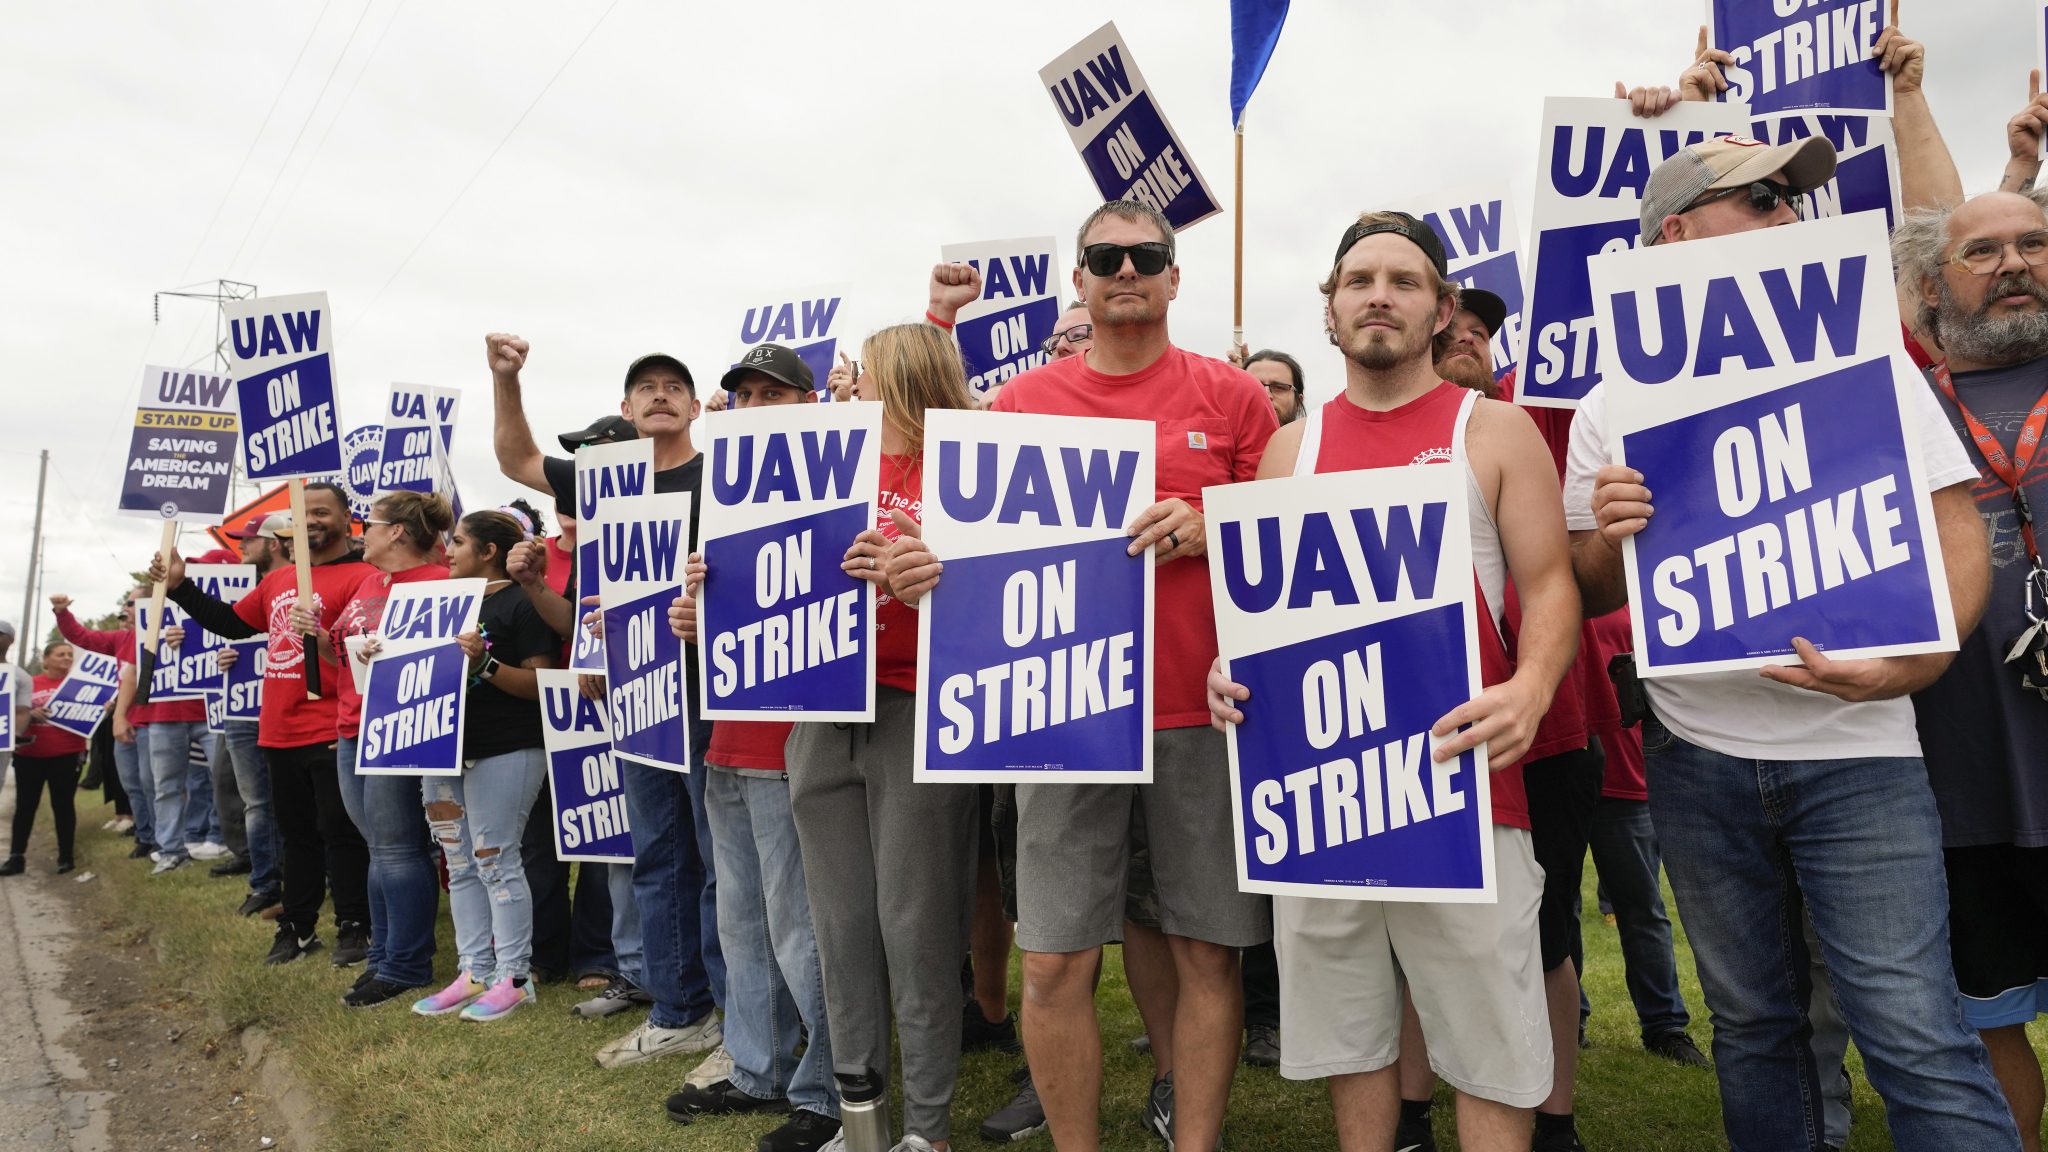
(1149, 259)
(1764, 197)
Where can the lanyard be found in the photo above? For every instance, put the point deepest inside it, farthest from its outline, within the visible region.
(2010, 471)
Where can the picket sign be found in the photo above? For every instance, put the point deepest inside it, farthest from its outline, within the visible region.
(1816, 55)
(84, 696)
(181, 454)
(1122, 136)
(604, 472)
(590, 818)
(1477, 227)
(810, 320)
(644, 542)
(1003, 331)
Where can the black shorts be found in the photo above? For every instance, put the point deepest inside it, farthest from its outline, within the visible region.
(1998, 931)
(1564, 794)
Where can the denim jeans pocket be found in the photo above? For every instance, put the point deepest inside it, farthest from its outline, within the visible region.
(1656, 737)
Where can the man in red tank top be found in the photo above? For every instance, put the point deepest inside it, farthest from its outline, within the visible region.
(1474, 970)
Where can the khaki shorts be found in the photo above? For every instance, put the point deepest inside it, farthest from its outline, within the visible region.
(1475, 971)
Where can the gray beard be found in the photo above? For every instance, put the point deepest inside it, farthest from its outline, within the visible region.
(1982, 339)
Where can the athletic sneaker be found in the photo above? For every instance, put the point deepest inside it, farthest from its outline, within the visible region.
(1414, 1136)
(13, 866)
(1678, 1048)
(260, 901)
(233, 865)
(454, 998)
(124, 824)
(503, 997)
(617, 996)
(169, 864)
(207, 851)
(1262, 1046)
(351, 943)
(1159, 1109)
(802, 1132)
(371, 991)
(713, 1068)
(912, 1142)
(111, 825)
(722, 1098)
(1565, 1139)
(289, 946)
(978, 1034)
(650, 1041)
(1023, 1116)
(141, 851)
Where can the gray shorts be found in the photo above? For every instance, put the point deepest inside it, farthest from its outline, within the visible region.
(1073, 853)
(1475, 971)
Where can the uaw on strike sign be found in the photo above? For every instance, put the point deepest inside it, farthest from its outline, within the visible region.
(283, 353)
(1758, 383)
(1345, 603)
(181, 455)
(1123, 137)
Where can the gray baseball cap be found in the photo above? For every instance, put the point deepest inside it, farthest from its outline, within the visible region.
(1729, 162)
(7, 630)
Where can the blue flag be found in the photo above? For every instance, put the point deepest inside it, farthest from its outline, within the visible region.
(1254, 31)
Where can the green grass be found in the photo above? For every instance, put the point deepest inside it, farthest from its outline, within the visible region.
(393, 1080)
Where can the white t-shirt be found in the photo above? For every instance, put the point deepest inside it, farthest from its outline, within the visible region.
(1741, 713)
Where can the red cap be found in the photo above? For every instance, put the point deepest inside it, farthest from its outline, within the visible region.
(249, 530)
(218, 556)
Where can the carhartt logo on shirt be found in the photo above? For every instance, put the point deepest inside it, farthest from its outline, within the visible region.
(1198, 441)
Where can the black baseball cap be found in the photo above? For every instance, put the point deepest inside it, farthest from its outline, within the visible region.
(1491, 309)
(1402, 224)
(660, 361)
(603, 430)
(775, 361)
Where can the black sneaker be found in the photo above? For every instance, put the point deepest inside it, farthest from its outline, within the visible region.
(719, 1099)
(1159, 1109)
(618, 996)
(1678, 1048)
(802, 1132)
(1565, 1139)
(258, 901)
(1414, 1136)
(1262, 1046)
(64, 866)
(141, 851)
(351, 943)
(289, 946)
(1021, 1117)
(978, 1034)
(13, 866)
(371, 991)
(232, 866)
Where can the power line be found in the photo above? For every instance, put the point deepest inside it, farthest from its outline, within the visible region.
(473, 176)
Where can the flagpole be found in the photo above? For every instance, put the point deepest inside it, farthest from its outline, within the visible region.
(1237, 264)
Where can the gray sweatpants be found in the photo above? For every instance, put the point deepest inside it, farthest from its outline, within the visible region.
(890, 869)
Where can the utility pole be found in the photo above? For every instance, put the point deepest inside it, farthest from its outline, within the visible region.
(29, 641)
(220, 292)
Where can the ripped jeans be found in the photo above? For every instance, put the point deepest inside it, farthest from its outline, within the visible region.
(476, 819)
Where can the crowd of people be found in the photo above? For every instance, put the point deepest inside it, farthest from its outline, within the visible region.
(1855, 845)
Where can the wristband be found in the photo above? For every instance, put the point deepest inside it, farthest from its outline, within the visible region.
(931, 319)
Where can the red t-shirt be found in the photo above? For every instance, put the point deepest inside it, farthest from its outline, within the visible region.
(1213, 421)
(359, 618)
(289, 719)
(896, 622)
(561, 566)
(749, 744)
(48, 740)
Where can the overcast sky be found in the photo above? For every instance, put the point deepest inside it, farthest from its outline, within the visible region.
(692, 159)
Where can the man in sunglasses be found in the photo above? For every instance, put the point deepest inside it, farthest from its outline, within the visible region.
(1212, 424)
(1801, 787)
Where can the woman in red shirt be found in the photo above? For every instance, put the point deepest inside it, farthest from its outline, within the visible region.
(46, 755)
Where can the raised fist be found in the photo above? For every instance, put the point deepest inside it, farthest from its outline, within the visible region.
(953, 287)
(505, 352)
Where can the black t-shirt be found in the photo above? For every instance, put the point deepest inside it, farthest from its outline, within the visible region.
(1985, 739)
(497, 722)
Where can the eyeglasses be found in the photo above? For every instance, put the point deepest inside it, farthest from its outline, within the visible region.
(387, 523)
(1149, 259)
(1981, 257)
(1764, 197)
(1079, 333)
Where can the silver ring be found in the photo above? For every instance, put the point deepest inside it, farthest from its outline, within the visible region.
(873, 563)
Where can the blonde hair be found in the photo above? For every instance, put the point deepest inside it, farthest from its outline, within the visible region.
(422, 516)
(916, 367)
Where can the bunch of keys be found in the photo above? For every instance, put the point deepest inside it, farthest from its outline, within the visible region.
(2030, 652)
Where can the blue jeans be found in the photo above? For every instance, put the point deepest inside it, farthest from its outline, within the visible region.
(131, 764)
(252, 780)
(202, 819)
(1624, 845)
(626, 947)
(405, 891)
(673, 885)
(1858, 843)
(478, 819)
(170, 766)
(774, 981)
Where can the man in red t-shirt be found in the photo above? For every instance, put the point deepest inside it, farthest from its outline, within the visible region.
(1213, 421)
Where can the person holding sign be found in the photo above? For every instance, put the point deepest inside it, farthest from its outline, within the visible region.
(1763, 784)
(1980, 271)
(321, 846)
(1212, 423)
(400, 537)
(131, 765)
(1474, 969)
(44, 756)
(479, 817)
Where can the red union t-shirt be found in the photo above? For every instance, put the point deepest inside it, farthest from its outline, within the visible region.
(288, 719)
(1213, 421)
(896, 622)
(359, 618)
(755, 745)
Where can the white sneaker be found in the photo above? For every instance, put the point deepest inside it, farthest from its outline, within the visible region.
(716, 1067)
(124, 823)
(206, 851)
(912, 1142)
(169, 864)
(109, 825)
(648, 1042)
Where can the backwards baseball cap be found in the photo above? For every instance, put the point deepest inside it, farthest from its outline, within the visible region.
(276, 526)
(251, 527)
(612, 429)
(1401, 224)
(774, 361)
(1729, 162)
(1491, 309)
(660, 362)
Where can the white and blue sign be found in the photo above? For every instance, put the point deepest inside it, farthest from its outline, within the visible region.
(1479, 237)
(1594, 160)
(216, 713)
(604, 472)
(86, 694)
(413, 455)
(1759, 384)
(1795, 54)
(1866, 161)
(281, 349)
(1344, 602)
(1004, 331)
(583, 780)
(1035, 650)
(1123, 137)
(644, 542)
(413, 710)
(242, 684)
(198, 657)
(808, 321)
(181, 456)
(782, 630)
(173, 674)
(362, 454)
(7, 706)
(431, 609)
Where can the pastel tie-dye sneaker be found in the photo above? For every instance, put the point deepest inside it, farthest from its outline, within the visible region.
(453, 998)
(503, 997)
